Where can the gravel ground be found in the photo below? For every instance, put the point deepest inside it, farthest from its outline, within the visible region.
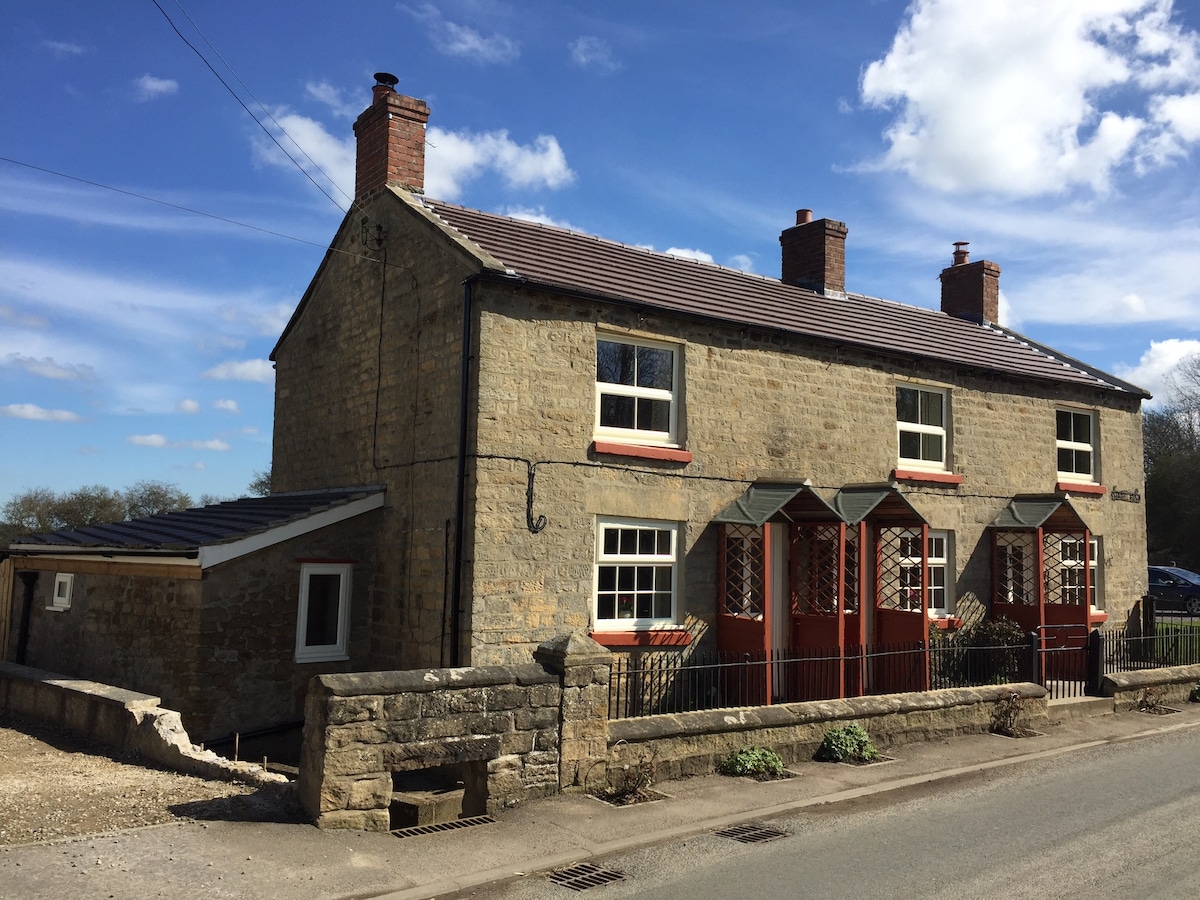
(52, 785)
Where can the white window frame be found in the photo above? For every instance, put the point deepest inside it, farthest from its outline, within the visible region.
(64, 586)
(1071, 561)
(937, 561)
(1089, 446)
(619, 561)
(668, 438)
(324, 652)
(921, 428)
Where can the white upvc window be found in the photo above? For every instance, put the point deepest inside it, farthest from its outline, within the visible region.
(323, 615)
(1072, 571)
(938, 563)
(637, 574)
(637, 391)
(64, 584)
(921, 416)
(1075, 444)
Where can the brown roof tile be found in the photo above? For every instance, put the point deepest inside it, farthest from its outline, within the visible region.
(555, 257)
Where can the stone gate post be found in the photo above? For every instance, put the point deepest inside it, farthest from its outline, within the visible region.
(584, 668)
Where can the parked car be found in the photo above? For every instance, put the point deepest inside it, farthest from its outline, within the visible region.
(1175, 588)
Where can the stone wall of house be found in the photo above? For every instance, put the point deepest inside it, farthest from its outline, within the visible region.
(367, 392)
(754, 406)
(219, 650)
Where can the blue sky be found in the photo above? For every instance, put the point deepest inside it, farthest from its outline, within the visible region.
(1062, 139)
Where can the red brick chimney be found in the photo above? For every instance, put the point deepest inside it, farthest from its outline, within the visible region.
(391, 141)
(971, 290)
(814, 254)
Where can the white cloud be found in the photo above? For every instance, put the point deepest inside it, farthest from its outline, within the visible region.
(147, 440)
(741, 261)
(453, 39)
(38, 414)
(1158, 362)
(63, 49)
(538, 215)
(325, 157)
(335, 98)
(46, 367)
(698, 255)
(190, 407)
(226, 406)
(260, 370)
(456, 157)
(1025, 98)
(149, 87)
(161, 442)
(22, 320)
(589, 52)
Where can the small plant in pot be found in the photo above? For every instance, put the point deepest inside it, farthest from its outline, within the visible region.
(848, 743)
(759, 763)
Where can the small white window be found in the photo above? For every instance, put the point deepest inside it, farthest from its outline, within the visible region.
(1072, 571)
(64, 583)
(1075, 444)
(636, 574)
(323, 616)
(637, 391)
(921, 427)
(941, 598)
(937, 560)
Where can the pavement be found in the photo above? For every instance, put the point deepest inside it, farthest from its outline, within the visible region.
(264, 859)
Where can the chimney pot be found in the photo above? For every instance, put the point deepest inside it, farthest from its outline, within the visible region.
(803, 216)
(961, 254)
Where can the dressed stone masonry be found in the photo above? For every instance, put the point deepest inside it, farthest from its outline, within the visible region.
(532, 729)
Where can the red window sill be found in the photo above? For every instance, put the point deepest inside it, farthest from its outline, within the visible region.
(660, 638)
(642, 451)
(946, 623)
(1078, 487)
(930, 477)
(1095, 617)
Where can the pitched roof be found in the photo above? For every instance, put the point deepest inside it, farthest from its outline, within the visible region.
(189, 531)
(568, 260)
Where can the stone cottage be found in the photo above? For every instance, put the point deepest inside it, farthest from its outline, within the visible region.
(573, 434)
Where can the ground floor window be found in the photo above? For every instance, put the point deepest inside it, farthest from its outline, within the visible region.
(636, 574)
(936, 559)
(323, 617)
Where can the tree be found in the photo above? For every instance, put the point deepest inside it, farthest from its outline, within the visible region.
(40, 510)
(1171, 441)
(149, 498)
(260, 485)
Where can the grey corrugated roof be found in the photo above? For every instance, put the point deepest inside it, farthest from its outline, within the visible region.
(763, 500)
(555, 257)
(856, 503)
(190, 529)
(1034, 512)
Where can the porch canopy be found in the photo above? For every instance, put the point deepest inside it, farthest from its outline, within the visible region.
(763, 501)
(1043, 567)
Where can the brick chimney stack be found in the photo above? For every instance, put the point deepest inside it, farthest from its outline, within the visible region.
(814, 254)
(971, 290)
(391, 141)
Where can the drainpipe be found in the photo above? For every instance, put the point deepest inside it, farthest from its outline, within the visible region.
(460, 490)
(29, 580)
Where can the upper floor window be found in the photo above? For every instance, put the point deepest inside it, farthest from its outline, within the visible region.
(921, 427)
(637, 390)
(1075, 444)
(323, 618)
(636, 574)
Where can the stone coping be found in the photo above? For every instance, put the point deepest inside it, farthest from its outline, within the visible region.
(1118, 682)
(100, 693)
(410, 681)
(809, 712)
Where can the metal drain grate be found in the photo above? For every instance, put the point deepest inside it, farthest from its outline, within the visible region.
(584, 876)
(414, 830)
(751, 834)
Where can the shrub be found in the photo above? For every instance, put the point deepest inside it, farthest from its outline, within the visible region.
(756, 762)
(847, 744)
